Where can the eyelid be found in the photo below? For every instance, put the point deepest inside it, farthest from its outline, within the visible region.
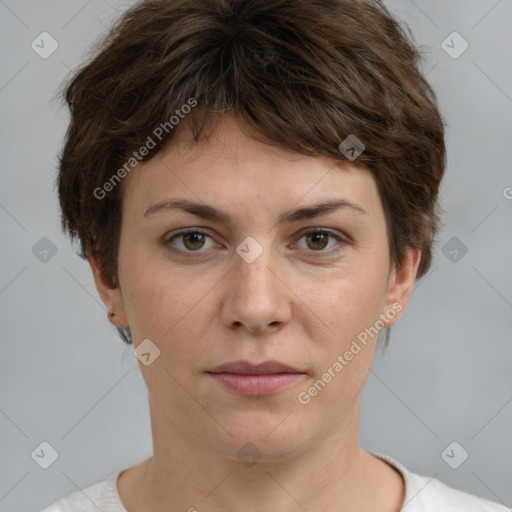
(169, 237)
(341, 238)
(319, 229)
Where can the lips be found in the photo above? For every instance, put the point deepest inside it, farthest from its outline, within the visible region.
(247, 379)
(246, 368)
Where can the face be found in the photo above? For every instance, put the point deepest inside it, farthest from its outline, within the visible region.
(255, 284)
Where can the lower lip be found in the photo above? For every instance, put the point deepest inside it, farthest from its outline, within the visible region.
(256, 385)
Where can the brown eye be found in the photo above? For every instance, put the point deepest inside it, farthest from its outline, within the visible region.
(193, 241)
(318, 239)
(190, 241)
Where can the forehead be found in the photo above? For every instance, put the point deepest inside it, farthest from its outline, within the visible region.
(234, 170)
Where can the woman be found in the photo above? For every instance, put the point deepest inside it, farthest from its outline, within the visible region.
(254, 184)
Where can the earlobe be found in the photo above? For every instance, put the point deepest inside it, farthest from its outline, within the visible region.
(109, 294)
(401, 285)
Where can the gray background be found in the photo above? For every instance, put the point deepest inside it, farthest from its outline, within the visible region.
(66, 377)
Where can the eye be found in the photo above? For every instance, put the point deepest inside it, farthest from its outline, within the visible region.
(191, 241)
(318, 239)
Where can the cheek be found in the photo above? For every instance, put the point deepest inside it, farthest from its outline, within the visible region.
(344, 353)
(168, 306)
(348, 304)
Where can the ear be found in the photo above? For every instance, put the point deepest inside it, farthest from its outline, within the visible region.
(110, 295)
(400, 286)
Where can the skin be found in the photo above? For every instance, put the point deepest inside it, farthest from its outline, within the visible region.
(287, 305)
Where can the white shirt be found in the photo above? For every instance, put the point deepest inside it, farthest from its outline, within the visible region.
(422, 494)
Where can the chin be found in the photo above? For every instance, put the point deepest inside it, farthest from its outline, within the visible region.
(267, 439)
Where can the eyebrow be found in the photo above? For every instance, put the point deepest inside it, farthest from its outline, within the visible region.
(215, 215)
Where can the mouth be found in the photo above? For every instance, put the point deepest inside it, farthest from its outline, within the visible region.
(247, 379)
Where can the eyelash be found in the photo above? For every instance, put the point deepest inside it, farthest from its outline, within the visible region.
(168, 241)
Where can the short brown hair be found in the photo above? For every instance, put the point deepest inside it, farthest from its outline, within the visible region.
(298, 74)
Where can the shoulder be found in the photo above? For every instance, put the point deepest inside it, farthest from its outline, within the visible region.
(427, 494)
(99, 496)
(432, 494)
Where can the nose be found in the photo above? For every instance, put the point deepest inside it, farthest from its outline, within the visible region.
(256, 296)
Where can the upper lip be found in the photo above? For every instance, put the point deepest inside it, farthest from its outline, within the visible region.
(246, 368)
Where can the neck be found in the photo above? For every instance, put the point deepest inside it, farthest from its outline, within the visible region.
(332, 473)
